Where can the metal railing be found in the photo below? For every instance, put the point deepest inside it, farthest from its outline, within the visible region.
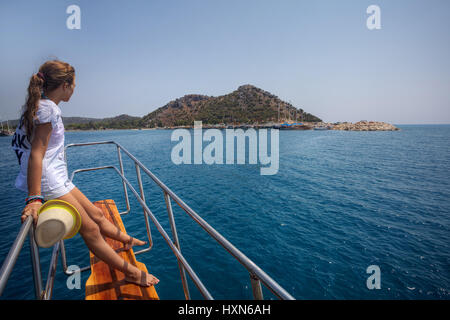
(27, 229)
(256, 274)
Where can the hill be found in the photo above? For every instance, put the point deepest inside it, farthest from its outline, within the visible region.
(248, 104)
(122, 121)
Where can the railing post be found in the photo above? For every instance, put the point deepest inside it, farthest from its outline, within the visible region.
(64, 258)
(177, 244)
(51, 272)
(123, 182)
(64, 261)
(256, 287)
(35, 262)
(141, 188)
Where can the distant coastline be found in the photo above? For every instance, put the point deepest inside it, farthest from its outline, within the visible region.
(244, 108)
(342, 126)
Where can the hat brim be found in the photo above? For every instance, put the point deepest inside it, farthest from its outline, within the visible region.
(68, 207)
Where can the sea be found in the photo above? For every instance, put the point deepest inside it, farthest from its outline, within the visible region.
(346, 210)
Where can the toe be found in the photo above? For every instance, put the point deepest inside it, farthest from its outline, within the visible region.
(153, 279)
(138, 242)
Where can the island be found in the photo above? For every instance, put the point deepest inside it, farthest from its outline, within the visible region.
(245, 107)
(365, 125)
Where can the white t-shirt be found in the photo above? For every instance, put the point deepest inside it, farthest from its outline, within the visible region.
(54, 167)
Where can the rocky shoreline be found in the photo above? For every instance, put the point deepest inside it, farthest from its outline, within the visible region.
(343, 126)
(365, 126)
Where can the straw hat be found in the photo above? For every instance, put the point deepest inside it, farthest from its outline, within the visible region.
(57, 220)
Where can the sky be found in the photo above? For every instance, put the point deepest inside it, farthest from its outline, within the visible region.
(132, 57)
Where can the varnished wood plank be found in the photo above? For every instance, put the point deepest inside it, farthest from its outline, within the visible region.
(106, 283)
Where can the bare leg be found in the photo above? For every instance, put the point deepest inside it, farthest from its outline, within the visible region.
(106, 227)
(90, 232)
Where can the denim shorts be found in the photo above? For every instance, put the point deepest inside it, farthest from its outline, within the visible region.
(58, 192)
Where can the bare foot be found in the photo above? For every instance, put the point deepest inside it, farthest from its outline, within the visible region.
(134, 242)
(137, 242)
(141, 278)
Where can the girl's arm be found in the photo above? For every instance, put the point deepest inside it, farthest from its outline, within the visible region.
(39, 145)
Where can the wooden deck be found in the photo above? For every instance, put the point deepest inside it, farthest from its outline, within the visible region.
(106, 283)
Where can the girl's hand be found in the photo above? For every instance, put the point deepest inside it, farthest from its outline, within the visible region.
(31, 209)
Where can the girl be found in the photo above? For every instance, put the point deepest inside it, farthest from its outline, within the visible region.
(39, 146)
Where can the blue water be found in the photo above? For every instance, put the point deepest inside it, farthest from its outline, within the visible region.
(340, 202)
